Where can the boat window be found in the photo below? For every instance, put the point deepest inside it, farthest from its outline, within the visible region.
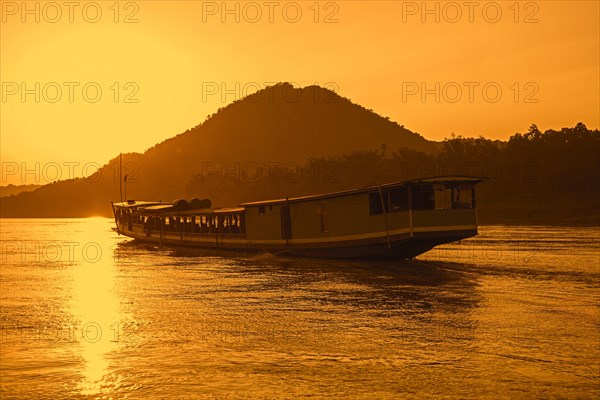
(443, 197)
(324, 217)
(423, 197)
(375, 203)
(261, 210)
(462, 196)
(399, 199)
(235, 225)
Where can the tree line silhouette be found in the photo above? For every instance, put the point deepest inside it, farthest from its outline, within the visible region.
(535, 177)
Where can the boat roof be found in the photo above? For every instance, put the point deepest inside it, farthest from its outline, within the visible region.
(149, 207)
(413, 182)
(223, 210)
(138, 203)
(154, 208)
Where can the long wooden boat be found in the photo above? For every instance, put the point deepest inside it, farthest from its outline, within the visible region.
(393, 221)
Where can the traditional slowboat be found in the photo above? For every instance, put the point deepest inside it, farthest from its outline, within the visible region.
(390, 221)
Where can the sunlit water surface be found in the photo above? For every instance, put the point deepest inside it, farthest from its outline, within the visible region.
(512, 313)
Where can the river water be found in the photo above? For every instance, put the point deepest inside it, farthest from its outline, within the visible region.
(85, 313)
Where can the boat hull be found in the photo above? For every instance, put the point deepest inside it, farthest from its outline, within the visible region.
(399, 246)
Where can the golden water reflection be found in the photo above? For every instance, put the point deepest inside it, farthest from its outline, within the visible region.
(95, 307)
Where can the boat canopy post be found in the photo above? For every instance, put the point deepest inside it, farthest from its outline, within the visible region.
(410, 208)
(385, 217)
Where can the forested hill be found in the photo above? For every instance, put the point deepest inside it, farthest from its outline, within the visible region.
(279, 125)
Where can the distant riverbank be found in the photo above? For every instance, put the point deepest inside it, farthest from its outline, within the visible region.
(568, 209)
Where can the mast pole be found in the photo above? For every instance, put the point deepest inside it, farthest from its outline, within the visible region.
(120, 178)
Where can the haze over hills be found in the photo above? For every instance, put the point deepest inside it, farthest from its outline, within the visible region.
(277, 126)
(10, 190)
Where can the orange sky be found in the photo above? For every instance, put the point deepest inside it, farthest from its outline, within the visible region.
(164, 56)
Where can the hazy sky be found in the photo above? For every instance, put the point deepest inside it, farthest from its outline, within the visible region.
(83, 81)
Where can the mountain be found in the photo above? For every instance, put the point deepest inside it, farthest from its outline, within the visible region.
(278, 126)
